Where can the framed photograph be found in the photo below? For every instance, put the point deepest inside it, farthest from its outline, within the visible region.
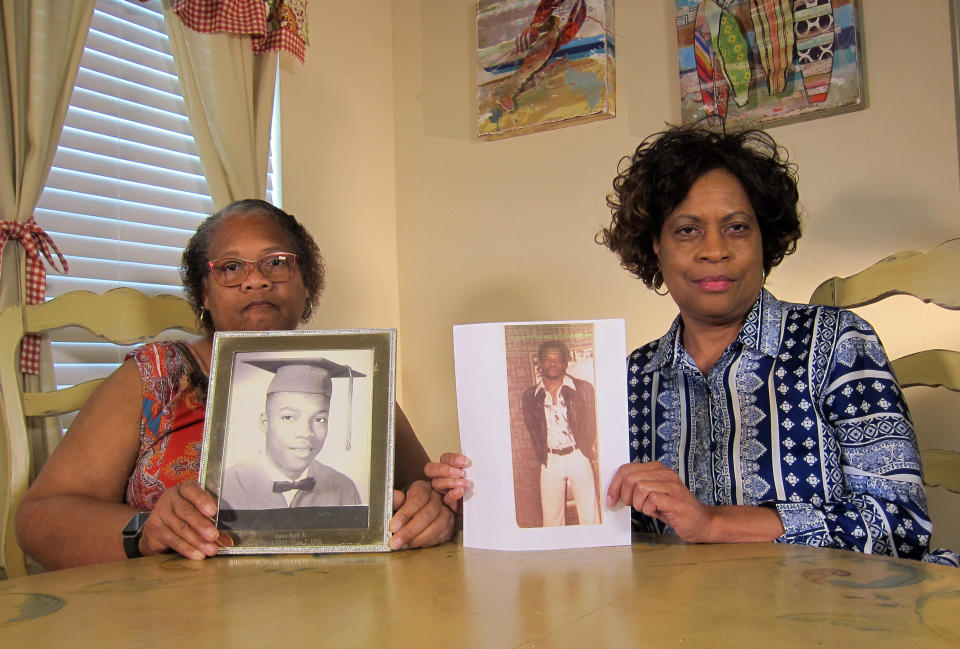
(543, 417)
(543, 64)
(298, 442)
(751, 63)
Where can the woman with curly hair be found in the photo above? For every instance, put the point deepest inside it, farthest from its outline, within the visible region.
(752, 419)
(132, 456)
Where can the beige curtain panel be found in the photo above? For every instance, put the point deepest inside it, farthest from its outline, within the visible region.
(42, 42)
(229, 92)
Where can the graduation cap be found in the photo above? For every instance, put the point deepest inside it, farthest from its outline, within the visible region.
(310, 376)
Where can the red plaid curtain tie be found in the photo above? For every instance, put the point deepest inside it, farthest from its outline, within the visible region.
(37, 245)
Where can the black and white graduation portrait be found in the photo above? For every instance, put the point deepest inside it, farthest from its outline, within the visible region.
(298, 430)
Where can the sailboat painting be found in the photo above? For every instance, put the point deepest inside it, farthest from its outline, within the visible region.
(543, 64)
(750, 63)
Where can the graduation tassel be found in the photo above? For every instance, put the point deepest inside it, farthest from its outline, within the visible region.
(349, 407)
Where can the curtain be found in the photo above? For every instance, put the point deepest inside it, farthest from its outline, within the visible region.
(41, 42)
(229, 93)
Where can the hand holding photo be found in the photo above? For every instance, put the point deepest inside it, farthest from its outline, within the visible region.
(542, 410)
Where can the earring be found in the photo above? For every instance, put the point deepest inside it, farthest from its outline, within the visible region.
(763, 276)
(658, 279)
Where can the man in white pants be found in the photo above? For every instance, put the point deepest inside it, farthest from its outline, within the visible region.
(560, 416)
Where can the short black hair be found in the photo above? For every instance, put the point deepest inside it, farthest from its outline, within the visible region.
(554, 346)
(658, 176)
(193, 262)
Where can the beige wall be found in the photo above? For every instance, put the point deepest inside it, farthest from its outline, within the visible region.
(339, 158)
(380, 151)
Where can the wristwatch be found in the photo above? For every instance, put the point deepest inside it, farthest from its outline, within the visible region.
(132, 533)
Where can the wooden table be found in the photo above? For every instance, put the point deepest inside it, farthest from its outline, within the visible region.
(653, 594)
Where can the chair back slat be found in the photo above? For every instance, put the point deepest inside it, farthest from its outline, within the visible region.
(931, 368)
(60, 402)
(122, 316)
(941, 468)
(930, 277)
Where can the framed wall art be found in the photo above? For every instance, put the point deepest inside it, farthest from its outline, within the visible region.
(747, 63)
(298, 440)
(543, 64)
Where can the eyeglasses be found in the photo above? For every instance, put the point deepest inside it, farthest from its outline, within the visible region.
(233, 271)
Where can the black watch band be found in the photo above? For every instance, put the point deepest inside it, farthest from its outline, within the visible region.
(132, 533)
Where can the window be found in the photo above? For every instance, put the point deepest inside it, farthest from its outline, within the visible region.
(126, 188)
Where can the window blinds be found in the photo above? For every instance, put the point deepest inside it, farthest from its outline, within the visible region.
(126, 188)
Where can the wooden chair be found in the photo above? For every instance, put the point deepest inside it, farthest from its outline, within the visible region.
(933, 277)
(122, 316)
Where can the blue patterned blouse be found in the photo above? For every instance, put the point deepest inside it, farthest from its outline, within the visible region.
(802, 413)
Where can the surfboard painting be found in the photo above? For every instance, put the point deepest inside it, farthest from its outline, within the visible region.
(813, 20)
(713, 84)
(730, 45)
(782, 60)
(543, 64)
(773, 32)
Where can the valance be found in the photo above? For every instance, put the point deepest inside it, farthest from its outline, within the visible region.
(272, 24)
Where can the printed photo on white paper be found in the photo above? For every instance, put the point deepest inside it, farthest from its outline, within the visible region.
(543, 418)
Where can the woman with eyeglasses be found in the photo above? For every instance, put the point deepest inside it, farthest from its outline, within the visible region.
(123, 481)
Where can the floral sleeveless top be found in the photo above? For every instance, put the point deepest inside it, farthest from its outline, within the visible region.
(171, 426)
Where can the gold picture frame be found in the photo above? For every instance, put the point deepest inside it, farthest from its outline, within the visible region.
(298, 443)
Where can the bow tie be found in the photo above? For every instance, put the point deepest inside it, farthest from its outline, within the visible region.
(307, 484)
